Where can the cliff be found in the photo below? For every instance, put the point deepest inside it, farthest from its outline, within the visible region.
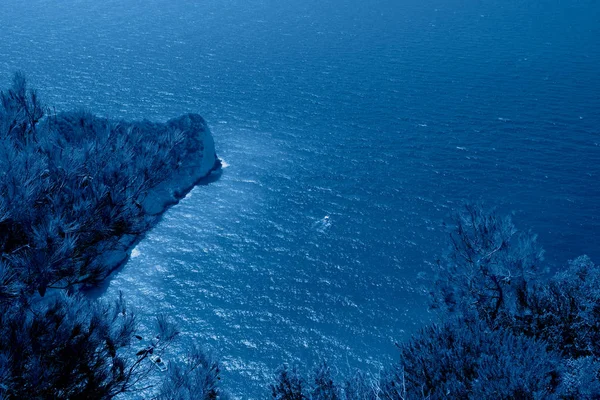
(199, 163)
(79, 190)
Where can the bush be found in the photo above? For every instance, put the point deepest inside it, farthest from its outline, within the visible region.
(289, 384)
(324, 388)
(74, 184)
(66, 347)
(566, 310)
(72, 187)
(489, 269)
(196, 379)
(454, 360)
(492, 277)
(506, 331)
(321, 385)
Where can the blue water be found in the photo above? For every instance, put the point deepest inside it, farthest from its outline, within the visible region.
(383, 116)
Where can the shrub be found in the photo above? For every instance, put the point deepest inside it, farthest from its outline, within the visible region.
(454, 360)
(66, 347)
(289, 384)
(324, 388)
(566, 310)
(492, 277)
(506, 331)
(195, 379)
(489, 269)
(72, 186)
(361, 386)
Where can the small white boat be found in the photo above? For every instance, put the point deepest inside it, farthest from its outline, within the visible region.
(160, 364)
(323, 224)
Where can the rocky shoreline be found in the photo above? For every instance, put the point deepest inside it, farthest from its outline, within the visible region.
(200, 166)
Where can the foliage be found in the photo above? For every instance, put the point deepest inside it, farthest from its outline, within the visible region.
(72, 186)
(324, 388)
(196, 379)
(361, 386)
(566, 310)
(492, 277)
(289, 384)
(454, 360)
(22, 110)
(506, 331)
(66, 347)
(506, 289)
(580, 379)
(489, 268)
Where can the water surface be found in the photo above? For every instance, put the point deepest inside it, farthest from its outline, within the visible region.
(382, 116)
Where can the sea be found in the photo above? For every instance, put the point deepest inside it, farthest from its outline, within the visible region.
(349, 132)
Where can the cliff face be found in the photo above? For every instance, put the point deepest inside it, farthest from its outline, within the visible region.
(200, 162)
(197, 160)
(83, 189)
(195, 125)
(76, 193)
(158, 164)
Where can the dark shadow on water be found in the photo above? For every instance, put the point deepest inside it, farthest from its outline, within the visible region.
(213, 177)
